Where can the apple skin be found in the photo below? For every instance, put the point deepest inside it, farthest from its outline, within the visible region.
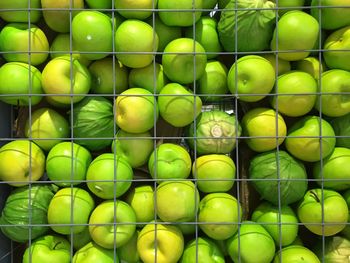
(128, 252)
(80, 239)
(56, 79)
(109, 212)
(304, 87)
(21, 162)
(303, 139)
(93, 253)
(178, 106)
(131, 4)
(101, 4)
(311, 65)
(346, 231)
(296, 253)
(65, 201)
(170, 242)
(202, 250)
(255, 75)
(305, 30)
(17, 39)
(275, 219)
(219, 208)
(283, 65)
(337, 83)
(48, 248)
(14, 78)
(287, 5)
(20, 16)
(323, 207)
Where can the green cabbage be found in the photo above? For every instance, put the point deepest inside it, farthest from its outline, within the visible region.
(254, 27)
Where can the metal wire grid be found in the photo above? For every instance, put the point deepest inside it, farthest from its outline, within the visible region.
(228, 102)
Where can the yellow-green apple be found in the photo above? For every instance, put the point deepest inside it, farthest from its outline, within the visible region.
(20, 10)
(58, 14)
(178, 105)
(288, 5)
(214, 173)
(333, 172)
(92, 34)
(48, 248)
(135, 42)
(108, 76)
(101, 4)
(252, 243)
(67, 164)
(112, 224)
(66, 76)
(151, 78)
(184, 60)
(205, 32)
(141, 199)
(250, 75)
(341, 128)
(143, 8)
(21, 162)
(346, 231)
(136, 110)
(295, 253)
(311, 65)
(46, 127)
(162, 243)
(310, 139)
(23, 43)
(20, 78)
(69, 210)
(136, 148)
(191, 14)
(213, 83)
(219, 215)
(169, 161)
(323, 211)
(280, 222)
(295, 93)
(176, 201)
(93, 253)
(128, 252)
(265, 129)
(280, 65)
(297, 45)
(109, 176)
(79, 240)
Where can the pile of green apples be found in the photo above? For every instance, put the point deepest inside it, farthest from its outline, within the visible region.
(148, 197)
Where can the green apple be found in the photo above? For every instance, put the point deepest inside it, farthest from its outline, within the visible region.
(310, 139)
(61, 13)
(129, 5)
(341, 128)
(180, 64)
(214, 173)
(14, 79)
(261, 126)
(324, 212)
(69, 210)
(46, 127)
(180, 18)
(334, 101)
(20, 10)
(297, 45)
(296, 253)
(206, 34)
(280, 65)
(109, 176)
(219, 215)
(213, 82)
(280, 222)
(295, 94)
(48, 248)
(136, 148)
(288, 5)
(93, 253)
(252, 243)
(21, 162)
(133, 37)
(249, 75)
(333, 172)
(92, 34)
(80, 239)
(311, 65)
(346, 231)
(100, 4)
(178, 105)
(161, 243)
(136, 110)
(109, 76)
(176, 201)
(128, 252)
(66, 76)
(112, 224)
(67, 163)
(169, 161)
(23, 43)
(151, 78)
(202, 250)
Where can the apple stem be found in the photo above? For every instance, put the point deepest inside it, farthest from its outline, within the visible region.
(315, 196)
